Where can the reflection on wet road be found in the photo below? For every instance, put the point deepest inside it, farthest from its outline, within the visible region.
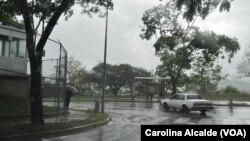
(128, 116)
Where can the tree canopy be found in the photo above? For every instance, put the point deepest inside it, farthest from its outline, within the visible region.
(119, 76)
(177, 46)
(202, 8)
(243, 68)
(206, 74)
(78, 76)
(230, 89)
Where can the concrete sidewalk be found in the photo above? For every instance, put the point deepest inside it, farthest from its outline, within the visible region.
(70, 116)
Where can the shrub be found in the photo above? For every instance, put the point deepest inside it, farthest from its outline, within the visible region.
(231, 89)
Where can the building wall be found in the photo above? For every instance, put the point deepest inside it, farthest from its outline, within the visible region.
(13, 54)
(13, 63)
(13, 66)
(12, 32)
(15, 86)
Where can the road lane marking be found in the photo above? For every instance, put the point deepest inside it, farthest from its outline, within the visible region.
(181, 121)
(228, 121)
(162, 119)
(248, 121)
(205, 121)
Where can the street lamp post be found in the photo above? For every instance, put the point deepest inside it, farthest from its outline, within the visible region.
(104, 63)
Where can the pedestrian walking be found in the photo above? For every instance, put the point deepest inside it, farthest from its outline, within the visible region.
(70, 91)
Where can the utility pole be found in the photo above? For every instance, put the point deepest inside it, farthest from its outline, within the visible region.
(104, 63)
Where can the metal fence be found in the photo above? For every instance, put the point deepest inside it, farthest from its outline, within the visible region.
(54, 68)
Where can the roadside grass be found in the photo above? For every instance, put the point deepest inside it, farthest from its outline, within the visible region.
(94, 117)
(226, 97)
(15, 119)
(84, 98)
(28, 128)
(15, 109)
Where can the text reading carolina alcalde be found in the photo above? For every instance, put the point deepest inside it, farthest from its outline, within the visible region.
(187, 132)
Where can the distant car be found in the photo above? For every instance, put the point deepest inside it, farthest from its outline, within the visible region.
(187, 102)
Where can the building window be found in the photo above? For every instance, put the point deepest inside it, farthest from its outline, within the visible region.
(13, 48)
(6, 49)
(22, 49)
(1, 47)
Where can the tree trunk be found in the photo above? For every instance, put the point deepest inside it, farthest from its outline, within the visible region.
(162, 89)
(36, 96)
(174, 88)
(90, 89)
(35, 56)
(131, 88)
(115, 91)
(203, 88)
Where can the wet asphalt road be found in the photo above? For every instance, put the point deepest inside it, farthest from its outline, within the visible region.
(127, 118)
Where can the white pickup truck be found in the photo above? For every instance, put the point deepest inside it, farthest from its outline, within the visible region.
(187, 102)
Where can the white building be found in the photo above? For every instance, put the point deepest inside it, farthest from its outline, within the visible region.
(13, 62)
(13, 54)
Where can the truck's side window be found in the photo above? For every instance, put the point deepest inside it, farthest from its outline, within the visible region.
(181, 97)
(178, 97)
(175, 97)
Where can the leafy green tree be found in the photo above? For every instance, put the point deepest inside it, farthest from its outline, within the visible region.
(10, 21)
(177, 46)
(173, 65)
(206, 73)
(119, 76)
(49, 11)
(243, 68)
(141, 85)
(97, 77)
(90, 83)
(81, 79)
(231, 89)
(202, 8)
(73, 68)
(8, 15)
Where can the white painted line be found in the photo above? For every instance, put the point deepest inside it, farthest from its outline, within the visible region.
(205, 121)
(228, 121)
(248, 121)
(181, 121)
(162, 119)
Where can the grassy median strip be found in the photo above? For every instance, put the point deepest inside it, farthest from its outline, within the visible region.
(14, 118)
(28, 128)
(15, 110)
(226, 97)
(87, 98)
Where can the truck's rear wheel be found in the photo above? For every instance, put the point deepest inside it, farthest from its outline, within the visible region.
(165, 106)
(185, 109)
(203, 112)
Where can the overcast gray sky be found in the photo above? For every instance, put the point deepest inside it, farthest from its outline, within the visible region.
(83, 37)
